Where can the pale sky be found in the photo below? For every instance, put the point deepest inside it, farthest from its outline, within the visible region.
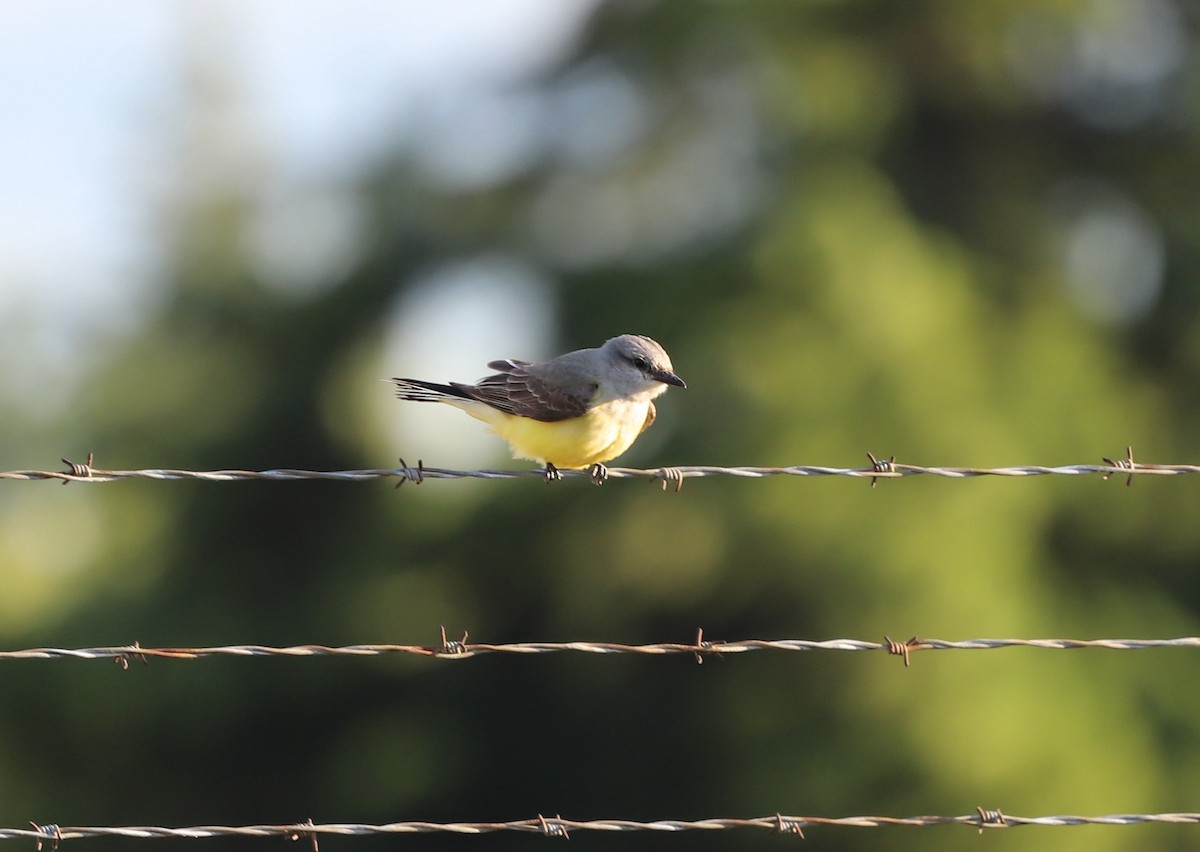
(89, 90)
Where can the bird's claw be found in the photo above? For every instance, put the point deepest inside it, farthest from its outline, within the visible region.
(598, 473)
(552, 474)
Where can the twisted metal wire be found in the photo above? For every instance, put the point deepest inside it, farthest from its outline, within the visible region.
(559, 827)
(462, 649)
(879, 469)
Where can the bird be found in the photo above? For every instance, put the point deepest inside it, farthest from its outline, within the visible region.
(575, 411)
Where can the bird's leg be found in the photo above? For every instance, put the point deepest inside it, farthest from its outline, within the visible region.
(598, 473)
(552, 474)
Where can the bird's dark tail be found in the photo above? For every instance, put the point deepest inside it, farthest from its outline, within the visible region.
(419, 391)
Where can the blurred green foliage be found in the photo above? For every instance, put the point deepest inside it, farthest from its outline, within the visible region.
(853, 225)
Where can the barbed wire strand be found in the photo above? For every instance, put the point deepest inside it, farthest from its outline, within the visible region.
(559, 827)
(701, 648)
(879, 469)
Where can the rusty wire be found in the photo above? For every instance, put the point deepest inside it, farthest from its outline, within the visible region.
(879, 468)
(559, 827)
(459, 649)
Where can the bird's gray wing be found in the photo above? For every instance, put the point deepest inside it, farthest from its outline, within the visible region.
(522, 389)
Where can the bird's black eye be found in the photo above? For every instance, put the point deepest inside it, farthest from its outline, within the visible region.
(641, 363)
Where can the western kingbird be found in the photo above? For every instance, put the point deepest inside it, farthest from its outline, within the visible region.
(574, 411)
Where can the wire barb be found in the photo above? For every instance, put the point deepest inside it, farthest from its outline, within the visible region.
(454, 647)
(669, 474)
(990, 819)
(1127, 464)
(407, 474)
(702, 646)
(50, 832)
(903, 649)
(122, 658)
(300, 833)
(553, 827)
(788, 825)
(80, 471)
(881, 467)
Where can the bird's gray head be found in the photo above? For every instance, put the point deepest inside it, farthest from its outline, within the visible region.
(641, 363)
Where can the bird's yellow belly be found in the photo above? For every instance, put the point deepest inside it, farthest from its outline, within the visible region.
(603, 433)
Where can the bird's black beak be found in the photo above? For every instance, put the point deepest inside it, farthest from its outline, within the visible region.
(669, 378)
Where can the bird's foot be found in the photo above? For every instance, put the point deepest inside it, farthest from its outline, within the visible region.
(551, 474)
(598, 473)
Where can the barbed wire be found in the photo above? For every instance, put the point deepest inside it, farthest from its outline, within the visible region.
(557, 826)
(700, 648)
(879, 469)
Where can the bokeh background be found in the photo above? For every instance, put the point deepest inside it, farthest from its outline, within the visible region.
(962, 233)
